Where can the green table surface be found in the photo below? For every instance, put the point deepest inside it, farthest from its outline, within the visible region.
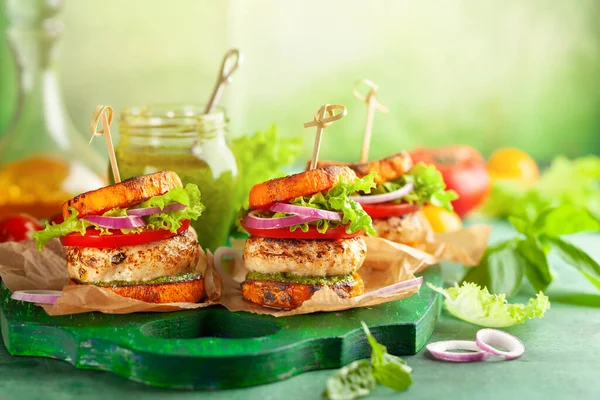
(562, 359)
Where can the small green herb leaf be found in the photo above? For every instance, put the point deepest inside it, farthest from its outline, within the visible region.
(566, 220)
(500, 270)
(351, 382)
(535, 264)
(389, 370)
(577, 258)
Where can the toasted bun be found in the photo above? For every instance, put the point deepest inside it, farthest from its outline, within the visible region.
(177, 292)
(302, 184)
(387, 169)
(124, 194)
(291, 295)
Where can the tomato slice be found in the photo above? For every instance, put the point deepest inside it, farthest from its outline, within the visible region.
(385, 210)
(284, 233)
(92, 237)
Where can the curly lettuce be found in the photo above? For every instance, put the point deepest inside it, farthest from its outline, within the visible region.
(429, 187)
(476, 305)
(189, 196)
(337, 199)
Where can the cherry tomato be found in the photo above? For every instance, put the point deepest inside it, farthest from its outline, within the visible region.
(385, 210)
(93, 238)
(284, 233)
(510, 163)
(442, 220)
(464, 171)
(18, 227)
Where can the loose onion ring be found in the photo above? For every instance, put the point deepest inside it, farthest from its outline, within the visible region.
(440, 350)
(489, 340)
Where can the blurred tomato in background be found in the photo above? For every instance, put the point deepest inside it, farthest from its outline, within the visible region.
(18, 227)
(464, 171)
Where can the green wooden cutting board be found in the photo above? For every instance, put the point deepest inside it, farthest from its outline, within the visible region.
(213, 348)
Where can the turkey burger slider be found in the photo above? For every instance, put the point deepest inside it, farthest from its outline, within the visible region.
(134, 239)
(402, 189)
(305, 235)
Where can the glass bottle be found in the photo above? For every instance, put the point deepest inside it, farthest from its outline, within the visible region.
(44, 160)
(183, 139)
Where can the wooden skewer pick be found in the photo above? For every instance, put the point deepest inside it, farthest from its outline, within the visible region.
(372, 105)
(232, 60)
(104, 114)
(321, 123)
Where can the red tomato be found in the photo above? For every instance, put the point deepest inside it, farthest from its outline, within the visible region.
(284, 233)
(18, 227)
(385, 210)
(464, 171)
(92, 237)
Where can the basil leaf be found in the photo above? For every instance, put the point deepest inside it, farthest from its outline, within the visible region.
(535, 265)
(351, 382)
(500, 270)
(577, 258)
(393, 373)
(566, 220)
(389, 370)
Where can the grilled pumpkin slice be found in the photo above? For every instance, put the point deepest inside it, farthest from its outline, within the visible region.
(191, 291)
(305, 183)
(291, 295)
(387, 169)
(123, 194)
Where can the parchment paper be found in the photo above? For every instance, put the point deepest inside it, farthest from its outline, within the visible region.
(22, 267)
(400, 269)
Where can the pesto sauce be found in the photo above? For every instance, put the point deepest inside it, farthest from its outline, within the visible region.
(184, 277)
(301, 279)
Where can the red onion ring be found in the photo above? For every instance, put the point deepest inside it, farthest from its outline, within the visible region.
(306, 211)
(382, 198)
(489, 339)
(255, 222)
(440, 350)
(36, 296)
(115, 222)
(142, 212)
(396, 287)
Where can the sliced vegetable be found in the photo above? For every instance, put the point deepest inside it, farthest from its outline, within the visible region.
(441, 350)
(306, 211)
(473, 304)
(493, 340)
(142, 212)
(254, 221)
(396, 287)
(116, 238)
(36, 296)
(130, 222)
(386, 210)
(382, 198)
(311, 233)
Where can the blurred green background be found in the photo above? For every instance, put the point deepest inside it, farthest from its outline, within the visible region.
(487, 73)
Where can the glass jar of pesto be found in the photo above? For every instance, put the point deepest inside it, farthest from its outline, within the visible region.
(183, 139)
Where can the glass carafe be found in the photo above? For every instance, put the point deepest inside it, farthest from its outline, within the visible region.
(44, 160)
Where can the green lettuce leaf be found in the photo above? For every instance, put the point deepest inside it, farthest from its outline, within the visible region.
(429, 187)
(337, 199)
(353, 381)
(565, 182)
(54, 230)
(189, 196)
(473, 304)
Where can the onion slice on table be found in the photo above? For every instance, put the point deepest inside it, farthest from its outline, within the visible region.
(396, 287)
(383, 198)
(255, 222)
(142, 212)
(440, 350)
(115, 222)
(36, 296)
(489, 340)
(306, 211)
